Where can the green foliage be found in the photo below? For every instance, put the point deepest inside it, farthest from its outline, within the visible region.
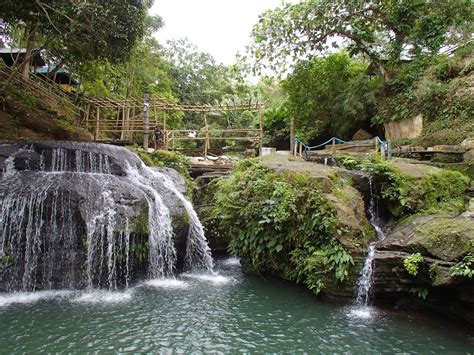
(280, 225)
(411, 263)
(464, 268)
(378, 29)
(406, 195)
(311, 263)
(139, 224)
(80, 31)
(439, 88)
(26, 102)
(175, 160)
(331, 95)
(420, 292)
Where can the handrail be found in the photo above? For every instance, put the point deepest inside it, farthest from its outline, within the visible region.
(384, 146)
(42, 87)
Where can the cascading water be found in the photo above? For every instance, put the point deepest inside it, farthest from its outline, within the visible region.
(71, 217)
(366, 277)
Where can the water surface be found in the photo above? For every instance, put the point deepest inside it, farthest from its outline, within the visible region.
(226, 313)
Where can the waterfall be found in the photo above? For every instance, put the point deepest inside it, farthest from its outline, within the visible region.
(69, 214)
(366, 277)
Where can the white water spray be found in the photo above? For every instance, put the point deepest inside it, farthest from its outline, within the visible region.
(43, 220)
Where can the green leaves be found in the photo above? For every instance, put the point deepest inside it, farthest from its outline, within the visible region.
(330, 96)
(281, 224)
(412, 262)
(378, 29)
(464, 268)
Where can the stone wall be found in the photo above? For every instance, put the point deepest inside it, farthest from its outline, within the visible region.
(403, 129)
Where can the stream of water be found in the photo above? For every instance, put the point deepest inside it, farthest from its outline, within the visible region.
(366, 278)
(227, 312)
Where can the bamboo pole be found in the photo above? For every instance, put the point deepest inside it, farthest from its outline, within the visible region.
(96, 128)
(146, 125)
(165, 129)
(206, 143)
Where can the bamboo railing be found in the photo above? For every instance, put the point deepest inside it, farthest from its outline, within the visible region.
(125, 118)
(42, 89)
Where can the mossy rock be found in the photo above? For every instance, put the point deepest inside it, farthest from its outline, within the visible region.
(441, 236)
(348, 205)
(139, 224)
(447, 158)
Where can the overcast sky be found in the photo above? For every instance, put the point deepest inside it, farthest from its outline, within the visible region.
(219, 27)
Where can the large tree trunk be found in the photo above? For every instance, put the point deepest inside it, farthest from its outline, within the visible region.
(30, 43)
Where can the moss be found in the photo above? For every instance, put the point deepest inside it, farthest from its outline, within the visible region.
(408, 189)
(447, 158)
(447, 238)
(464, 168)
(139, 224)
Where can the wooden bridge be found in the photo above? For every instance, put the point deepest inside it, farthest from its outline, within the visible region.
(121, 120)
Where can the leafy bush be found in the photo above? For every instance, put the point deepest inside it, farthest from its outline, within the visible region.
(412, 262)
(312, 263)
(280, 224)
(464, 268)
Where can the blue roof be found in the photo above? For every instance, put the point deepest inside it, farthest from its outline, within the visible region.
(46, 70)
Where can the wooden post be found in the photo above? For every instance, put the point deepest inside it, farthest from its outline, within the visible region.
(206, 143)
(165, 130)
(260, 122)
(87, 113)
(292, 134)
(146, 124)
(96, 128)
(124, 122)
(333, 145)
(118, 119)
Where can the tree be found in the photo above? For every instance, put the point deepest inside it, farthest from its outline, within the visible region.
(379, 29)
(77, 31)
(197, 78)
(331, 96)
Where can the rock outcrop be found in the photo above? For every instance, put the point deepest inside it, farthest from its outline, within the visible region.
(443, 240)
(77, 214)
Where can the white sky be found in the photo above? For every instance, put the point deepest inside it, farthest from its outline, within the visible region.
(219, 27)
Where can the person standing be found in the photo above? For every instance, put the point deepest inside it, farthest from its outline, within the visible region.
(158, 137)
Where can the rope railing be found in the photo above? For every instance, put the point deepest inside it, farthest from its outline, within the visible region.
(384, 147)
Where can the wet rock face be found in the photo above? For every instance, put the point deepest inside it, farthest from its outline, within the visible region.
(442, 240)
(74, 215)
(203, 195)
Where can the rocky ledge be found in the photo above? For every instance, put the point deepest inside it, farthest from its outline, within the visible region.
(415, 266)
